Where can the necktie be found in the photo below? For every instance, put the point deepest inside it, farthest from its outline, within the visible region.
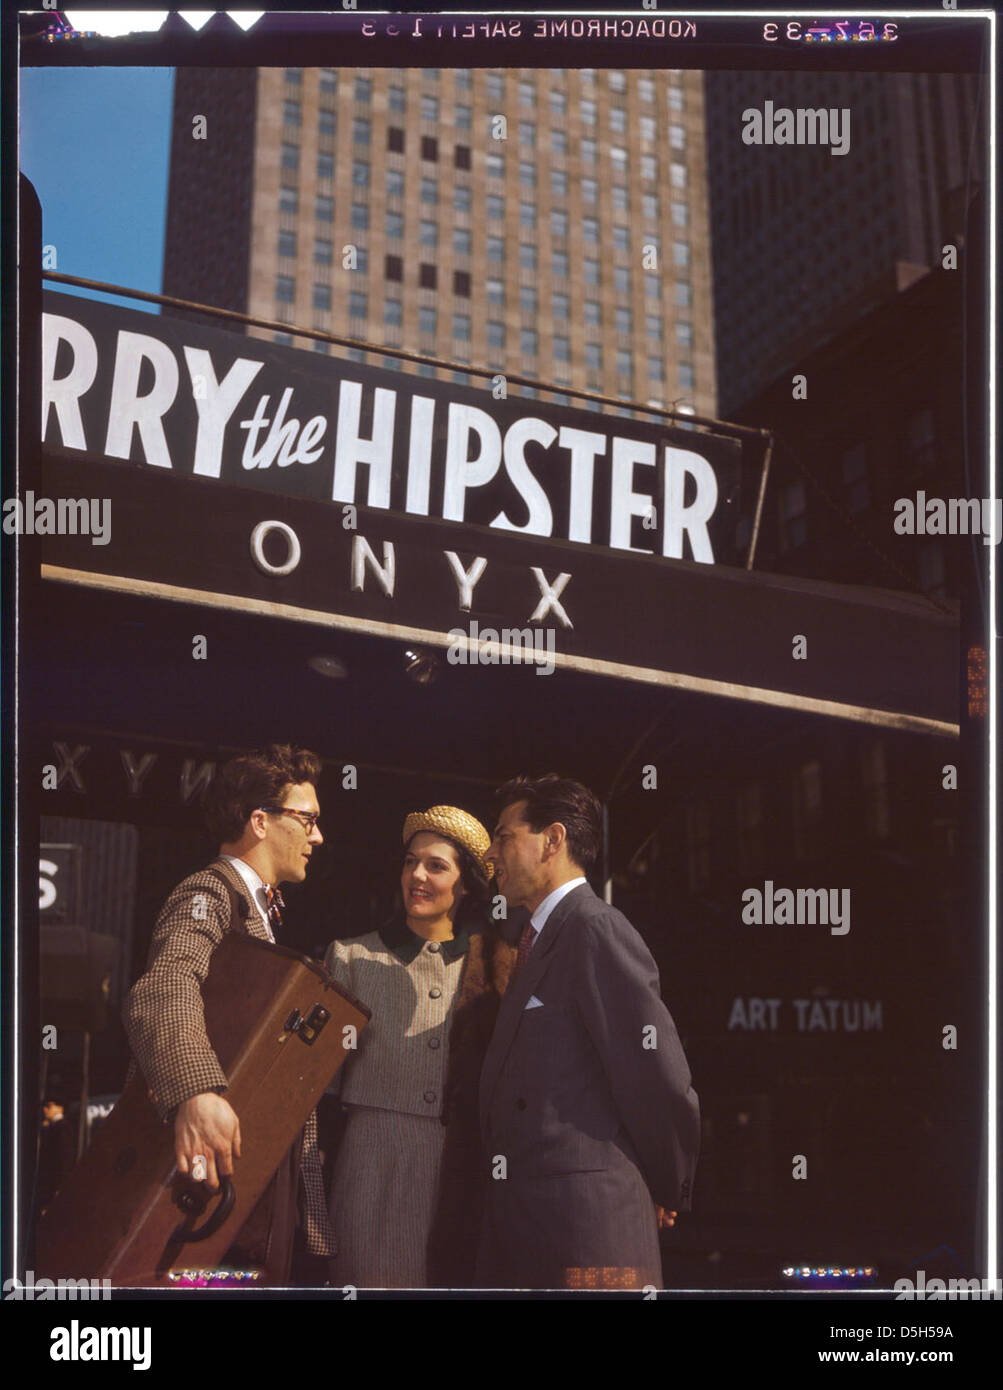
(526, 939)
(275, 905)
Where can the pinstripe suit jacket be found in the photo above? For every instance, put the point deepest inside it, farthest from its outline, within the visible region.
(165, 1020)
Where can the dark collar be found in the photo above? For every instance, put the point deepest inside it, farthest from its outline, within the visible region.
(398, 937)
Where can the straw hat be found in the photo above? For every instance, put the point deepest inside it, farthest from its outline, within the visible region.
(459, 825)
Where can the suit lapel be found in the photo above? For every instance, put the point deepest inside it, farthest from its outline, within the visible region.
(520, 992)
(252, 922)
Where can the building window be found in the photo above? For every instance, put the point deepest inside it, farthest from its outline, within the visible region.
(395, 139)
(395, 183)
(393, 268)
(393, 312)
(527, 133)
(558, 142)
(495, 206)
(621, 238)
(495, 333)
(680, 253)
(463, 116)
(287, 244)
(559, 265)
(496, 291)
(527, 255)
(495, 166)
(394, 224)
(428, 233)
(528, 342)
(593, 312)
(285, 339)
(527, 94)
(429, 191)
(328, 81)
(646, 89)
(590, 228)
(461, 76)
(461, 283)
(358, 305)
(683, 293)
(562, 348)
(322, 251)
(593, 356)
(649, 207)
(461, 156)
(461, 326)
(793, 516)
(395, 98)
(560, 306)
(621, 279)
(363, 89)
(360, 217)
(874, 781)
(527, 214)
(362, 131)
(677, 137)
(698, 846)
(285, 289)
(680, 214)
(558, 183)
(558, 102)
(322, 296)
(496, 86)
(326, 122)
(677, 175)
(360, 173)
(429, 148)
(290, 158)
(808, 810)
(750, 825)
(288, 200)
(686, 378)
(430, 108)
(684, 334)
(618, 158)
(618, 119)
(590, 271)
(462, 198)
(527, 175)
(656, 369)
(462, 241)
(677, 99)
(323, 208)
(527, 299)
(428, 276)
(589, 150)
(325, 166)
(590, 190)
(624, 362)
(496, 248)
(653, 326)
(619, 197)
(427, 321)
(855, 480)
(617, 81)
(649, 167)
(292, 113)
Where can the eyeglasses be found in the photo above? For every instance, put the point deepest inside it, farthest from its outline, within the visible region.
(308, 819)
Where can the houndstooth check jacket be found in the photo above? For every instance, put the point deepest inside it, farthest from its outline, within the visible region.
(165, 1022)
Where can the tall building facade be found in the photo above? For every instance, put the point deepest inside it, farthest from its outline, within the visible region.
(546, 222)
(805, 240)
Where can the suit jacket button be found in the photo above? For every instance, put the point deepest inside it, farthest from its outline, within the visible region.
(435, 993)
(520, 1104)
(434, 946)
(430, 1096)
(434, 1043)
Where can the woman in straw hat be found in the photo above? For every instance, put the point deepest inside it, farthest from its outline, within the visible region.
(406, 1191)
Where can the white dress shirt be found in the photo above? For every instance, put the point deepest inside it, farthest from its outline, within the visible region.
(256, 888)
(539, 918)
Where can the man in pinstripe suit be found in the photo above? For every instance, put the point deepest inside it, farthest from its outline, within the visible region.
(587, 1110)
(262, 809)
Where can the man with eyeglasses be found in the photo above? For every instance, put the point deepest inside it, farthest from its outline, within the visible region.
(262, 811)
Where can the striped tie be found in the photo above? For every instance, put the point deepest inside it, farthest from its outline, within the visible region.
(275, 905)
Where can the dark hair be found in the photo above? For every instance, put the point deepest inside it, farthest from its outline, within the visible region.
(552, 798)
(261, 778)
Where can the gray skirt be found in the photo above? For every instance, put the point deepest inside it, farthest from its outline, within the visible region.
(383, 1198)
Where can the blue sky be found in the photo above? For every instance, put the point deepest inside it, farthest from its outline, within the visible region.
(95, 142)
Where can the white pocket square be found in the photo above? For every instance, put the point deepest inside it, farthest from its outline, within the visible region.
(533, 1003)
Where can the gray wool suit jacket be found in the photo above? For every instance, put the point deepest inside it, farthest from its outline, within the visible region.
(586, 1096)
